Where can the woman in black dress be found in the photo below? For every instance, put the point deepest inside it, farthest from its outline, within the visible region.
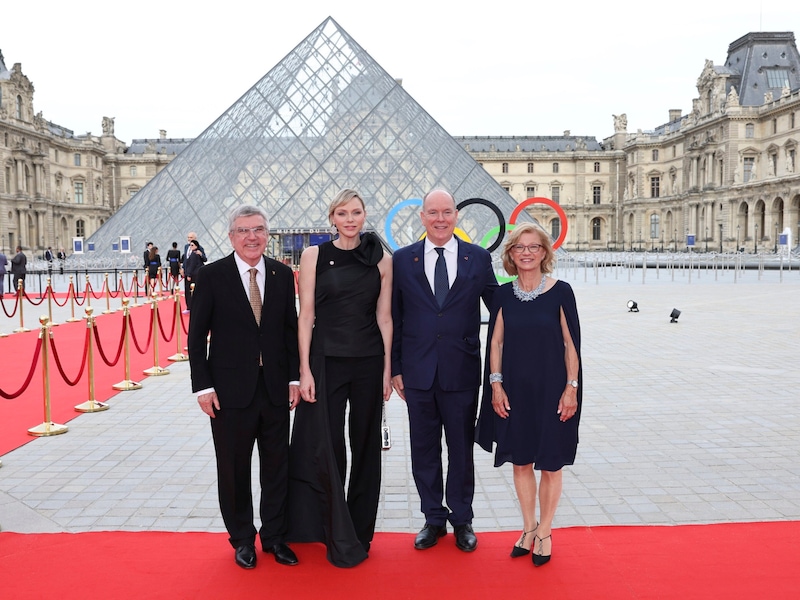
(174, 261)
(345, 336)
(153, 264)
(532, 397)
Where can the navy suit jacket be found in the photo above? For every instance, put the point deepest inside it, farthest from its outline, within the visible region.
(229, 364)
(427, 338)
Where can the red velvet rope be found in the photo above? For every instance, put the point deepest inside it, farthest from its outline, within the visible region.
(171, 328)
(30, 374)
(50, 288)
(90, 290)
(16, 302)
(64, 376)
(42, 299)
(184, 326)
(149, 336)
(119, 349)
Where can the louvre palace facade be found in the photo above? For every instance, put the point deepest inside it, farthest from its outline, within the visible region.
(726, 173)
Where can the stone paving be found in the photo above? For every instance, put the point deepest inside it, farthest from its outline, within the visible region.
(693, 422)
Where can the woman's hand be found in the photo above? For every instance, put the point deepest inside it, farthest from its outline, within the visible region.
(308, 391)
(568, 404)
(500, 400)
(387, 385)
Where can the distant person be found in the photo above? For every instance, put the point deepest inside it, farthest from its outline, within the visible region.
(192, 236)
(174, 262)
(19, 268)
(48, 256)
(62, 256)
(191, 266)
(532, 399)
(3, 263)
(153, 265)
(345, 336)
(148, 247)
(436, 363)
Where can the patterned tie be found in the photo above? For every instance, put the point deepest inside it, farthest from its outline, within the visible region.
(255, 296)
(440, 284)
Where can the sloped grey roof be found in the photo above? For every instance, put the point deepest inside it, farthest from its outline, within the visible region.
(535, 143)
(161, 145)
(4, 72)
(752, 56)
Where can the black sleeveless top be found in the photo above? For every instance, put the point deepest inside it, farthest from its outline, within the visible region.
(345, 300)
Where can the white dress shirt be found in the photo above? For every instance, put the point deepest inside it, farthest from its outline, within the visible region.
(450, 259)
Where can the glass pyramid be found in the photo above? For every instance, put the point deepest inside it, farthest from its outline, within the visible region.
(326, 117)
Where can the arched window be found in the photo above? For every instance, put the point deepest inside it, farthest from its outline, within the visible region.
(596, 227)
(19, 107)
(654, 226)
(80, 228)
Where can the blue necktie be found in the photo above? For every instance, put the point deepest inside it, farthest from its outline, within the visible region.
(440, 283)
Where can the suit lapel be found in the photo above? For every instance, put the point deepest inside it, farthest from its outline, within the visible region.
(418, 271)
(464, 269)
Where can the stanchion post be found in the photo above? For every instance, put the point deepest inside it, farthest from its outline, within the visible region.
(179, 356)
(47, 427)
(71, 291)
(126, 384)
(21, 328)
(160, 283)
(108, 310)
(91, 405)
(155, 370)
(50, 303)
(135, 287)
(88, 294)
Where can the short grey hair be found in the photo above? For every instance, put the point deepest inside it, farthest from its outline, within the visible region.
(247, 210)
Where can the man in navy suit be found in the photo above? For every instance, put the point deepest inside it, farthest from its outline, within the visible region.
(436, 363)
(247, 380)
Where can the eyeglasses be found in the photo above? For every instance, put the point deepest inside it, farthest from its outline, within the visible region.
(259, 231)
(520, 248)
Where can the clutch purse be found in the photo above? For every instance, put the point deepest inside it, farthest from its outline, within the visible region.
(386, 434)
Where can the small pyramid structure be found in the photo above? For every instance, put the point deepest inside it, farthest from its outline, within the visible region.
(326, 117)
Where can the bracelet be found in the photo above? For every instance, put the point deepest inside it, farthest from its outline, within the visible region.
(495, 378)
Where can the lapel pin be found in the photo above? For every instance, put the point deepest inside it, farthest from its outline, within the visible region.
(416, 259)
(273, 272)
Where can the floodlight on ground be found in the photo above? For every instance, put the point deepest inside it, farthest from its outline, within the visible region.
(632, 306)
(673, 316)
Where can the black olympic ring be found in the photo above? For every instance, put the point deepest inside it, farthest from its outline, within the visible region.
(500, 218)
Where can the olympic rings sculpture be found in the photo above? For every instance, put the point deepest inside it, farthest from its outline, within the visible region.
(497, 232)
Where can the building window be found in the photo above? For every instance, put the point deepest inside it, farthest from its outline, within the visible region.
(595, 194)
(773, 163)
(555, 228)
(133, 171)
(19, 107)
(80, 228)
(655, 187)
(530, 167)
(78, 192)
(674, 151)
(597, 167)
(505, 167)
(777, 78)
(790, 167)
(791, 121)
(774, 125)
(749, 163)
(555, 192)
(5, 140)
(77, 160)
(530, 190)
(749, 131)
(555, 167)
(654, 226)
(507, 188)
(596, 230)
(655, 155)
(56, 156)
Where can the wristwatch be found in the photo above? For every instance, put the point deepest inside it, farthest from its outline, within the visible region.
(572, 382)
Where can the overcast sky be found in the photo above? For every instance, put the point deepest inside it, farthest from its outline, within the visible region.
(514, 67)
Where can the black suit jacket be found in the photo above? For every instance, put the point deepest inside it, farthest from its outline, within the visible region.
(220, 305)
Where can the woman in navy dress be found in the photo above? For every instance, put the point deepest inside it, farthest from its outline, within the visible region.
(345, 336)
(532, 397)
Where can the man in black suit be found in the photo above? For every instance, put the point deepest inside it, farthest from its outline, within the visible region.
(19, 268)
(247, 380)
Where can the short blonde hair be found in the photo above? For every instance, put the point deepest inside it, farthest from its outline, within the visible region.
(342, 198)
(544, 239)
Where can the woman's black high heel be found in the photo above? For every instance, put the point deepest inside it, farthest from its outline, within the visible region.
(540, 559)
(518, 551)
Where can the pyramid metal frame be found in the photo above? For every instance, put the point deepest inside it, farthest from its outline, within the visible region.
(326, 117)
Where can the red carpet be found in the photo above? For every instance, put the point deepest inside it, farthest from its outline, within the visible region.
(17, 350)
(747, 560)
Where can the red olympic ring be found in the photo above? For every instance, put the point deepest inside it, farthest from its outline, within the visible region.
(552, 204)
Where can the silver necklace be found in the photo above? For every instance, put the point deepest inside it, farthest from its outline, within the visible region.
(528, 296)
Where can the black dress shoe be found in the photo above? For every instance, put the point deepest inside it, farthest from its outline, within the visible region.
(246, 556)
(283, 554)
(465, 538)
(429, 536)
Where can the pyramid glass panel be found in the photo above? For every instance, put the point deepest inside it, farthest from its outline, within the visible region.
(325, 118)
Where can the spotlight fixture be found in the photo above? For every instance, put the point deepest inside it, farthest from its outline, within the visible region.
(632, 306)
(673, 316)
